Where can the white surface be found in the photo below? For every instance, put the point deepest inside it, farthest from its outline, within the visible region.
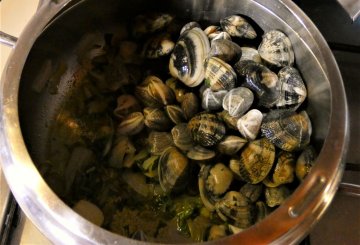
(14, 14)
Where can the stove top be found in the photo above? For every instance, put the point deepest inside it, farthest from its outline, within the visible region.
(341, 223)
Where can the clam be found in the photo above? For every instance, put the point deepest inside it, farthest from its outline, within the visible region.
(225, 50)
(182, 137)
(248, 53)
(231, 144)
(230, 122)
(219, 75)
(262, 210)
(252, 192)
(211, 29)
(126, 104)
(173, 170)
(131, 124)
(150, 23)
(177, 87)
(212, 101)
(220, 35)
(175, 113)
(260, 80)
(190, 105)
(283, 172)
(237, 101)
(255, 161)
(276, 49)
(275, 196)
(189, 26)
(156, 119)
(249, 124)
(187, 59)
(305, 162)
(158, 46)
(122, 152)
(206, 129)
(236, 209)
(292, 88)
(159, 142)
(217, 232)
(153, 92)
(214, 181)
(288, 130)
(199, 153)
(237, 26)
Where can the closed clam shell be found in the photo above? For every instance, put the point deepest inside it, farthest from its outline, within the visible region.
(159, 45)
(156, 119)
(225, 50)
(231, 144)
(131, 124)
(187, 58)
(219, 75)
(220, 35)
(276, 49)
(255, 161)
(292, 88)
(159, 142)
(288, 130)
(283, 172)
(182, 137)
(237, 26)
(248, 53)
(178, 88)
(189, 26)
(275, 196)
(262, 210)
(261, 80)
(190, 105)
(175, 113)
(305, 162)
(199, 153)
(153, 92)
(173, 170)
(230, 121)
(249, 124)
(212, 101)
(236, 209)
(251, 191)
(213, 182)
(206, 129)
(126, 104)
(237, 101)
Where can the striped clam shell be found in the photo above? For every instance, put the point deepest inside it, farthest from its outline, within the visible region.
(219, 75)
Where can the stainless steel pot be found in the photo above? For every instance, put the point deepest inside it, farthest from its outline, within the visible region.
(53, 33)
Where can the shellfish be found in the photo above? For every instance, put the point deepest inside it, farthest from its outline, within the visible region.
(237, 101)
(249, 124)
(156, 119)
(283, 172)
(131, 124)
(175, 113)
(158, 46)
(159, 142)
(126, 104)
(231, 144)
(190, 105)
(255, 161)
(237, 26)
(212, 101)
(305, 162)
(274, 196)
(187, 59)
(189, 26)
(253, 192)
(219, 75)
(248, 53)
(182, 137)
(225, 50)
(276, 49)
(199, 153)
(288, 130)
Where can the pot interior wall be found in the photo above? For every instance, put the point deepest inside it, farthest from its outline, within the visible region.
(38, 107)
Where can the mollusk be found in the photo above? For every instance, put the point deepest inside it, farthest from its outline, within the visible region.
(219, 75)
(249, 124)
(212, 101)
(225, 50)
(237, 101)
(237, 26)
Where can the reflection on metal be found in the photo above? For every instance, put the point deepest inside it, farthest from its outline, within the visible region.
(350, 189)
(352, 7)
(7, 39)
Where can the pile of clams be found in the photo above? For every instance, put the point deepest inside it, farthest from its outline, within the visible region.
(215, 112)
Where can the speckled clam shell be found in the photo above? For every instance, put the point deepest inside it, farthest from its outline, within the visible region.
(206, 129)
(249, 124)
(288, 130)
(284, 170)
(219, 75)
(255, 161)
(131, 124)
(199, 153)
(276, 49)
(212, 101)
(292, 88)
(190, 105)
(251, 191)
(231, 144)
(237, 101)
(275, 196)
(237, 26)
(187, 59)
(225, 50)
(182, 137)
(248, 53)
(261, 80)
(156, 119)
(157, 46)
(305, 162)
(159, 142)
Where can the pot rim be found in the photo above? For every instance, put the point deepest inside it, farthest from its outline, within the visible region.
(63, 226)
